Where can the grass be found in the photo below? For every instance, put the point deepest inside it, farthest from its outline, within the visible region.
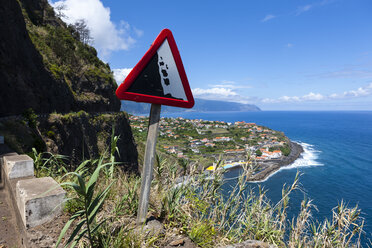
(219, 131)
(197, 208)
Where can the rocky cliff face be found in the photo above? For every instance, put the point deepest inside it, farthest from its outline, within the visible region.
(44, 66)
(77, 135)
(87, 136)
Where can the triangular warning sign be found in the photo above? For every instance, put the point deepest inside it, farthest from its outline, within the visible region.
(159, 77)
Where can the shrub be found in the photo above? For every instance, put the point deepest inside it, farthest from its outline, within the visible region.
(258, 152)
(30, 117)
(285, 150)
(56, 71)
(202, 233)
(51, 134)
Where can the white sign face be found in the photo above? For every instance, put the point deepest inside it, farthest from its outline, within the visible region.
(170, 78)
(159, 77)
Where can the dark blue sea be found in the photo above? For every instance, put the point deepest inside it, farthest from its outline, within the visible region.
(336, 164)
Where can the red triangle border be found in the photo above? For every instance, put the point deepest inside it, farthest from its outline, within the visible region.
(123, 94)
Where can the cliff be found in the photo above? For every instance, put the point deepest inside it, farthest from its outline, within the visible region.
(44, 66)
(46, 69)
(87, 136)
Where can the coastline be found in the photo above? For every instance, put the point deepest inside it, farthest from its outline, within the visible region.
(271, 166)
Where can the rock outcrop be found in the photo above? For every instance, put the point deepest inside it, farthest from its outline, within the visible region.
(87, 136)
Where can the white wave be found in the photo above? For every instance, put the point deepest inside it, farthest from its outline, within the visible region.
(307, 159)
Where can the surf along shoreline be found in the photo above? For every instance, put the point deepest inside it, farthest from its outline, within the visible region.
(273, 165)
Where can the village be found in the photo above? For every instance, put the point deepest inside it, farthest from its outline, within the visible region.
(215, 140)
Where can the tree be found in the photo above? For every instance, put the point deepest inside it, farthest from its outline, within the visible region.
(80, 26)
(60, 8)
(258, 152)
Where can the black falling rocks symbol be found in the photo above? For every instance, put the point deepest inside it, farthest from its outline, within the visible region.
(164, 71)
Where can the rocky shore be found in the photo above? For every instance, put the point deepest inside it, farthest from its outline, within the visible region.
(271, 166)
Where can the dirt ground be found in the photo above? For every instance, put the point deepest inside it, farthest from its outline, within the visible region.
(44, 235)
(9, 234)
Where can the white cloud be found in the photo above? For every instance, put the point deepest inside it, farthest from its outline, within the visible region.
(222, 94)
(303, 9)
(230, 85)
(138, 32)
(349, 72)
(334, 96)
(313, 97)
(225, 90)
(360, 92)
(121, 74)
(290, 99)
(107, 35)
(232, 94)
(308, 7)
(267, 18)
(218, 92)
(289, 45)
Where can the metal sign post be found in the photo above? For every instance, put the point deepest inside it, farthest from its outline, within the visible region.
(148, 165)
(158, 78)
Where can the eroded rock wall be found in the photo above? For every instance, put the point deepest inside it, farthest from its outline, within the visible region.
(87, 136)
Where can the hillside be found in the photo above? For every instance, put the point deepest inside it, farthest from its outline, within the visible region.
(201, 105)
(44, 66)
(54, 91)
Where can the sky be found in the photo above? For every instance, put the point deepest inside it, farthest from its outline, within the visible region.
(278, 55)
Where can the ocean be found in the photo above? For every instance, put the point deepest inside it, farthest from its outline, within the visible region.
(336, 165)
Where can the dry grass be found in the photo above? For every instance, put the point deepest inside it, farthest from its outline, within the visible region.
(198, 208)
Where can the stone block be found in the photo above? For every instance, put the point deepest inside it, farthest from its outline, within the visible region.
(18, 166)
(39, 200)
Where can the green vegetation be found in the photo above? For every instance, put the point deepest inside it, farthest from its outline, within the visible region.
(30, 118)
(258, 153)
(48, 164)
(18, 135)
(286, 150)
(85, 191)
(23, 134)
(202, 142)
(64, 49)
(51, 134)
(199, 209)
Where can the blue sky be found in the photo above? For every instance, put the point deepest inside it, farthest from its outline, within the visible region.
(279, 55)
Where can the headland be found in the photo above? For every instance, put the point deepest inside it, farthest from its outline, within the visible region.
(205, 143)
(271, 166)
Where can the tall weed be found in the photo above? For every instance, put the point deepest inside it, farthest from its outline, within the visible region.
(91, 204)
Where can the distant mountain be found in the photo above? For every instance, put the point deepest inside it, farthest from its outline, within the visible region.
(201, 105)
